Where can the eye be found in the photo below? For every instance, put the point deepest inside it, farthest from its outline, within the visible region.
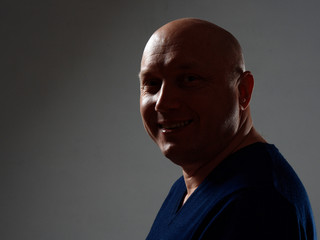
(152, 82)
(191, 80)
(151, 85)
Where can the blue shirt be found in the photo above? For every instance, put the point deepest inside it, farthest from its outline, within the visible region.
(252, 194)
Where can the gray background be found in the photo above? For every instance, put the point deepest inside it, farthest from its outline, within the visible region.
(75, 160)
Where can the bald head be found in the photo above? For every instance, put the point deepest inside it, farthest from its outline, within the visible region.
(195, 91)
(194, 35)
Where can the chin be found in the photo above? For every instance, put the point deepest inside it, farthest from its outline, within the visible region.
(171, 152)
(179, 156)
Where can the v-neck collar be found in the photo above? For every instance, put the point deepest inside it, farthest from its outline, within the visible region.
(179, 209)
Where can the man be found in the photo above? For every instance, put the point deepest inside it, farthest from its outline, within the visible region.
(194, 102)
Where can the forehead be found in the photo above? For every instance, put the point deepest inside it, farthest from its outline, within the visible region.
(179, 53)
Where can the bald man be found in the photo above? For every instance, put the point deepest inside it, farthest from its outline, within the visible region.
(194, 103)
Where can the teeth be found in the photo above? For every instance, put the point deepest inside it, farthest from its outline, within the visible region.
(176, 125)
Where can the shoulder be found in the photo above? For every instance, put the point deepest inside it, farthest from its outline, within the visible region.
(268, 200)
(254, 214)
(262, 164)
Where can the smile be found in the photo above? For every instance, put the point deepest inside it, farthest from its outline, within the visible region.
(177, 125)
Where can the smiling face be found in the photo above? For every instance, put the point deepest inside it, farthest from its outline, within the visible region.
(189, 91)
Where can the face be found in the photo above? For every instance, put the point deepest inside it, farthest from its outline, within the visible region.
(189, 101)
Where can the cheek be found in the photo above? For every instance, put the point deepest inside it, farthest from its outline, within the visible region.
(146, 107)
(148, 114)
(232, 117)
(220, 111)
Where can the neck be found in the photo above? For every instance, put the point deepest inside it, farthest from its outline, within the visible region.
(194, 176)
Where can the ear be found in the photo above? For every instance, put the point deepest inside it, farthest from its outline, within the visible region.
(245, 87)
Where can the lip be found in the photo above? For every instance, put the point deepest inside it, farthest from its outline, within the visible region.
(173, 126)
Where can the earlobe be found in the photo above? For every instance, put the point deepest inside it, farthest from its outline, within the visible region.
(245, 87)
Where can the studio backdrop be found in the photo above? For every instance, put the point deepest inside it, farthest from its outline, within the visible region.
(75, 161)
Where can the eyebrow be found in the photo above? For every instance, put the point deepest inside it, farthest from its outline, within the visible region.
(184, 66)
(142, 74)
(188, 66)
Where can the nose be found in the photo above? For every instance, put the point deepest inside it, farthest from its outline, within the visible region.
(167, 98)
